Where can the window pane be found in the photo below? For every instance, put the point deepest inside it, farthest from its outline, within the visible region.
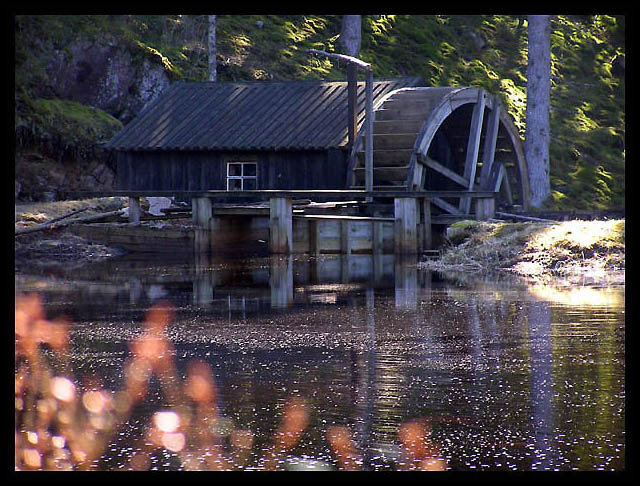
(249, 184)
(249, 169)
(234, 185)
(234, 169)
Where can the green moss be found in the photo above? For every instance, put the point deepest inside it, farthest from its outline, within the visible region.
(67, 127)
(156, 55)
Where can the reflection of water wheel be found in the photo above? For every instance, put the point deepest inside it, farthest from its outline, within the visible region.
(445, 139)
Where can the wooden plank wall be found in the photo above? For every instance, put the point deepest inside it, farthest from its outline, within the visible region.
(176, 170)
(315, 236)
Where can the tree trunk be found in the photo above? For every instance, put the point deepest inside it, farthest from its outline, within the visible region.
(350, 35)
(350, 38)
(212, 47)
(536, 143)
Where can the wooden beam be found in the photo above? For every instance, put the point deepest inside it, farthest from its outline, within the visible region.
(59, 223)
(342, 57)
(352, 102)
(473, 145)
(490, 140)
(507, 188)
(338, 217)
(494, 181)
(524, 218)
(368, 164)
(448, 173)
(451, 209)
(265, 194)
(39, 227)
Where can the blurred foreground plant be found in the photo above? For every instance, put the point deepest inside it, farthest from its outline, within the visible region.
(60, 425)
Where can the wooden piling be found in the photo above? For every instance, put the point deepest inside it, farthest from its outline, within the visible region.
(201, 215)
(345, 237)
(485, 208)
(280, 225)
(377, 236)
(405, 214)
(426, 221)
(134, 210)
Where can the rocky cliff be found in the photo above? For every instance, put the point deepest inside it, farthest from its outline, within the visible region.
(72, 95)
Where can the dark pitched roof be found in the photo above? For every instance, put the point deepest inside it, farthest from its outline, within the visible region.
(248, 116)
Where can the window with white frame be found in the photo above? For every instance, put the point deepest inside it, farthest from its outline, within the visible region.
(242, 176)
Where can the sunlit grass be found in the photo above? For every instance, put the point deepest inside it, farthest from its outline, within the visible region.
(580, 235)
(576, 249)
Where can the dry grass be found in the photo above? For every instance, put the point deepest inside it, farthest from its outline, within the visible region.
(570, 249)
(30, 213)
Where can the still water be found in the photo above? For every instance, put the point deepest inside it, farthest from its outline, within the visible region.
(508, 377)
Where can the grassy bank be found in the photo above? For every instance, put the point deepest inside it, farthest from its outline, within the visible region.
(587, 252)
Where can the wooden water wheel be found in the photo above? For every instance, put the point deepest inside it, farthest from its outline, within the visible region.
(444, 139)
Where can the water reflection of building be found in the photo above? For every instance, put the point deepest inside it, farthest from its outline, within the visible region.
(308, 280)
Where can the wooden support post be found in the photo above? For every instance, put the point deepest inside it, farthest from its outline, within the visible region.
(352, 97)
(377, 234)
(280, 225)
(426, 218)
(369, 135)
(134, 210)
(473, 146)
(201, 211)
(201, 215)
(345, 266)
(405, 234)
(494, 181)
(345, 237)
(485, 208)
(490, 139)
(314, 243)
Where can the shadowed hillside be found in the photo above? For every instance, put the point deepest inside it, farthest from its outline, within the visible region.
(80, 78)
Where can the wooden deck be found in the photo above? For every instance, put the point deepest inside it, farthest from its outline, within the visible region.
(265, 195)
(409, 231)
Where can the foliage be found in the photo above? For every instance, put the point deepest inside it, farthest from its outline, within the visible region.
(64, 128)
(587, 149)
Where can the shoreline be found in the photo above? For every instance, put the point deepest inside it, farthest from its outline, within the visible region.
(575, 252)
